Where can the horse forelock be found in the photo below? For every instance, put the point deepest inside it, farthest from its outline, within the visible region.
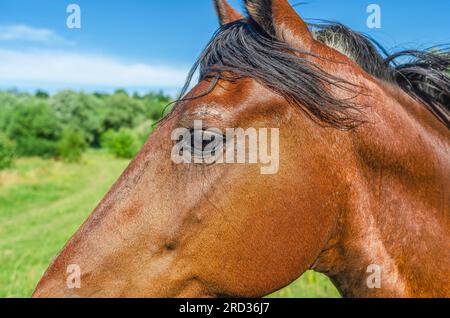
(240, 49)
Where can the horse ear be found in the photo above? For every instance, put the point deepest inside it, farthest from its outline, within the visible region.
(226, 12)
(278, 19)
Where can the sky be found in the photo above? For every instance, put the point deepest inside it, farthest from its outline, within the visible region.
(143, 45)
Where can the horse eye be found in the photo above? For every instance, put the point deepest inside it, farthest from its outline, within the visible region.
(205, 143)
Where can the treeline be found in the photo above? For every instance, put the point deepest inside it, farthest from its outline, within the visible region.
(64, 125)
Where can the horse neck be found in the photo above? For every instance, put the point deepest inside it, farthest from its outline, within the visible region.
(397, 218)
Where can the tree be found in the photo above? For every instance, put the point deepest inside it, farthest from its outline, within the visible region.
(72, 145)
(123, 143)
(121, 111)
(34, 126)
(7, 152)
(156, 105)
(41, 94)
(80, 111)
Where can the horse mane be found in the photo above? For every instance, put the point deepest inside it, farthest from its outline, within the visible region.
(425, 75)
(240, 49)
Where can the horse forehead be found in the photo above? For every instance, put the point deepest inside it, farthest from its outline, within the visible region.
(204, 110)
(228, 95)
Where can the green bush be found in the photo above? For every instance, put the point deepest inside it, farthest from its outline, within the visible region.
(7, 152)
(35, 128)
(144, 130)
(72, 145)
(30, 146)
(51, 126)
(80, 111)
(156, 105)
(8, 103)
(122, 111)
(123, 143)
(41, 94)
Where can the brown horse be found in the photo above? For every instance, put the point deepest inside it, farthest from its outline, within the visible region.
(362, 186)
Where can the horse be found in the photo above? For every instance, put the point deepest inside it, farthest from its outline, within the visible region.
(362, 187)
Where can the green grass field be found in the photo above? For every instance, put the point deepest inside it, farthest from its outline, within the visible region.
(43, 202)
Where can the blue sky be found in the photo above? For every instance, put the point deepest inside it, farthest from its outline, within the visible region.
(150, 44)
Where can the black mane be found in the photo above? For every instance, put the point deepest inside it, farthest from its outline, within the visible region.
(240, 50)
(425, 75)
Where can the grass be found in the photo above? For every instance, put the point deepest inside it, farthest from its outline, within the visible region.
(43, 202)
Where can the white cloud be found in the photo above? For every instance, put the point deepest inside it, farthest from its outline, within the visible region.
(21, 32)
(41, 69)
